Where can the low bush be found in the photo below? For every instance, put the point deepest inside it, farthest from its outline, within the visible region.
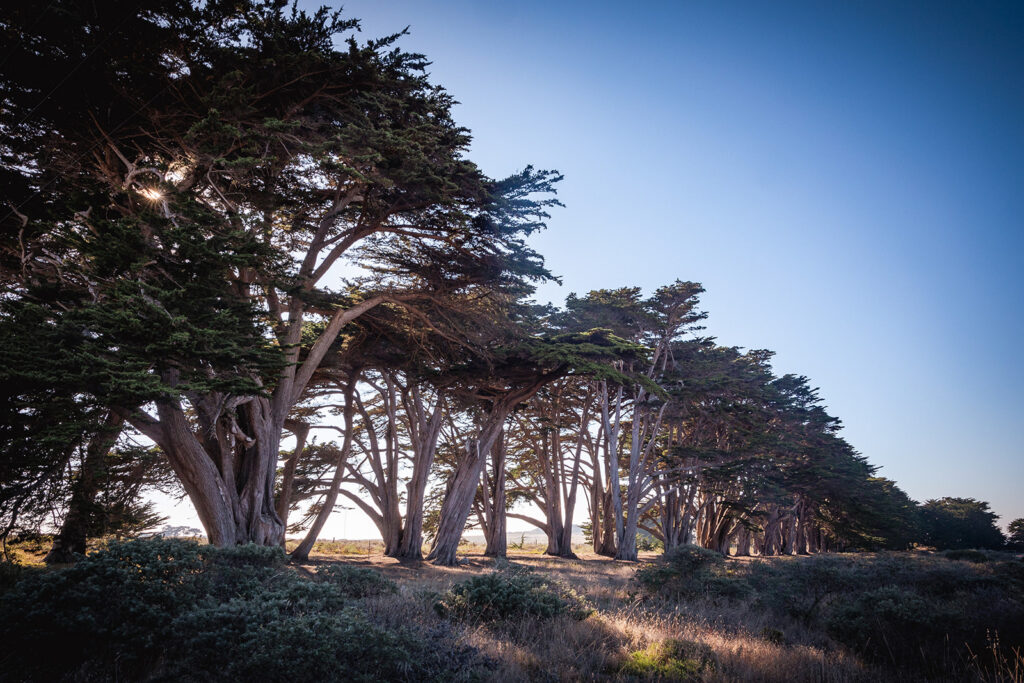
(10, 574)
(510, 594)
(266, 639)
(356, 582)
(975, 556)
(891, 623)
(673, 660)
(171, 609)
(689, 571)
(915, 612)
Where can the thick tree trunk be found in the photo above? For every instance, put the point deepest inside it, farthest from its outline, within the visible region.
(459, 500)
(225, 452)
(425, 448)
(70, 542)
(497, 538)
(608, 547)
(743, 541)
(627, 539)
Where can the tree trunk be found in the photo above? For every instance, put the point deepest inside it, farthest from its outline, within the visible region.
(284, 500)
(608, 547)
(70, 542)
(497, 538)
(459, 500)
(743, 541)
(301, 552)
(425, 448)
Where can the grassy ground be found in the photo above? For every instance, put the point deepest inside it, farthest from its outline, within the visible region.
(855, 617)
(628, 626)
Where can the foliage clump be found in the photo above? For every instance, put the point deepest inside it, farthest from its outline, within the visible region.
(174, 609)
(356, 582)
(891, 623)
(969, 555)
(689, 571)
(913, 612)
(510, 594)
(671, 659)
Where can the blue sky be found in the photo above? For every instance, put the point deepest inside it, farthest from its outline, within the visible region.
(845, 179)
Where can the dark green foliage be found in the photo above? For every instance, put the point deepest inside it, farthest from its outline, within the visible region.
(174, 609)
(356, 582)
(670, 660)
(918, 612)
(10, 574)
(689, 571)
(968, 555)
(960, 523)
(1015, 540)
(270, 638)
(892, 623)
(510, 594)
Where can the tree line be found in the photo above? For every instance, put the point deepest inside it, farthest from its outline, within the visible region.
(231, 229)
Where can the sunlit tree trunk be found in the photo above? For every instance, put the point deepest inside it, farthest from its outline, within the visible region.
(496, 530)
(424, 430)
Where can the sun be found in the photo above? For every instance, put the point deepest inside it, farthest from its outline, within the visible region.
(151, 193)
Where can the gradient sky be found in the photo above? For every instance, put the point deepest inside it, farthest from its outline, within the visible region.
(845, 179)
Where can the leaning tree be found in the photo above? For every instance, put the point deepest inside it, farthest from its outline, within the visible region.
(180, 232)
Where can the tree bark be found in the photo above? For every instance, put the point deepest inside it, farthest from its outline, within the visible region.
(425, 448)
(459, 500)
(497, 537)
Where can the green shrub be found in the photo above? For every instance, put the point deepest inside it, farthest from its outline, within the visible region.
(975, 556)
(802, 588)
(646, 543)
(10, 574)
(509, 594)
(356, 582)
(773, 635)
(111, 608)
(689, 571)
(175, 610)
(261, 640)
(892, 624)
(250, 555)
(674, 660)
(686, 559)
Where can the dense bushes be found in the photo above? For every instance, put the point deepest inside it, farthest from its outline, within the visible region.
(356, 582)
(921, 611)
(689, 571)
(174, 609)
(509, 594)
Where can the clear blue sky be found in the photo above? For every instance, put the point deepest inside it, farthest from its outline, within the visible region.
(845, 179)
